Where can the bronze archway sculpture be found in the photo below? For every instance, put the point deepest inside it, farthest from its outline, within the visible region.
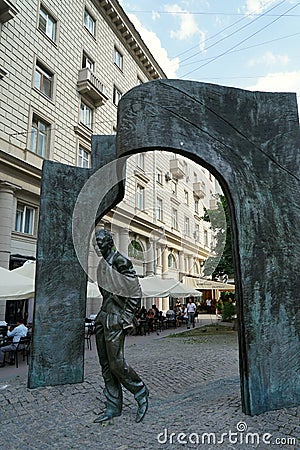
(250, 142)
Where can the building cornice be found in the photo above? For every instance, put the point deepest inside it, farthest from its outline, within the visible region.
(20, 165)
(118, 20)
(7, 10)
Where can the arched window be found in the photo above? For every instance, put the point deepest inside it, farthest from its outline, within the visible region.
(135, 250)
(171, 261)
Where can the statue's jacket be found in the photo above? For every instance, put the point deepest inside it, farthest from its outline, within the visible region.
(120, 288)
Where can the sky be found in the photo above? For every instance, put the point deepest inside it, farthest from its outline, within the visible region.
(249, 44)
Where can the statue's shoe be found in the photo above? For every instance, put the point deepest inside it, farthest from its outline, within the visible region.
(142, 409)
(108, 415)
(142, 399)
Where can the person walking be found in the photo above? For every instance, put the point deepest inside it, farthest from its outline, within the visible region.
(191, 309)
(121, 291)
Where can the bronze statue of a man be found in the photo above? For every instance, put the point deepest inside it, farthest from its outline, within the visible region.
(120, 289)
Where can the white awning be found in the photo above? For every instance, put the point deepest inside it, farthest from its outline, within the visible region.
(14, 286)
(154, 286)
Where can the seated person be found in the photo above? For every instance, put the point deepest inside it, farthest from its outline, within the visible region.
(183, 316)
(19, 331)
(150, 317)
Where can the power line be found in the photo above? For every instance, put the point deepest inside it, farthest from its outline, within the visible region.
(247, 48)
(234, 128)
(223, 30)
(244, 40)
(58, 127)
(197, 13)
(236, 31)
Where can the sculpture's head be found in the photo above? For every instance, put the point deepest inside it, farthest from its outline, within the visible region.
(104, 241)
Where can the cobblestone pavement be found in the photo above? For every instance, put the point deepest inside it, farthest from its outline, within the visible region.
(195, 390)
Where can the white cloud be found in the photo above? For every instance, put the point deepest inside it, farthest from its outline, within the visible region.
(170, 66)
(258, 6)
(187, 27)
(279, 82)
(269, 59)
(155, 15)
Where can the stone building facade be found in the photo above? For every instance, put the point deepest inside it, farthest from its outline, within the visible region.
(63, 69)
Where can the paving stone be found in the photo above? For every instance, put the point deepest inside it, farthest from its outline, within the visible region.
(194, 389)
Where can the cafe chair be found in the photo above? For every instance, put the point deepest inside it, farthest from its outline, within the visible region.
(23, 348)
(171, 319)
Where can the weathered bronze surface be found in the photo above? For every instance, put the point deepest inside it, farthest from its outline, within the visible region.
(250, 142)
(120, 289)
(60, 288)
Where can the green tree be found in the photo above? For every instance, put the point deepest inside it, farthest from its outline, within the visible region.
(216, 217)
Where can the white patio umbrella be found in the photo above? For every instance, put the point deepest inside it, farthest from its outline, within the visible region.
(182, 290)
(14, 286)
(28, 270)
(154, 286)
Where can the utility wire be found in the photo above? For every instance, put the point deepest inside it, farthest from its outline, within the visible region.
(239, 43)
(197, 13)
(213, 36)
(236, 31)
(244, 17)
(246, 48)
(58, 128)
(234, 128)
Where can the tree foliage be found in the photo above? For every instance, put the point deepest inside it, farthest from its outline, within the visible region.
(216, 217)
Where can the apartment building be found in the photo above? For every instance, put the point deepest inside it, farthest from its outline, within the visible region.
(63, 68)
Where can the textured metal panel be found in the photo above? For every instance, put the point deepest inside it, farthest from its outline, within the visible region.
(60, 297)
(250, 142)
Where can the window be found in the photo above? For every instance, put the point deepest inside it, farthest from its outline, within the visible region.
(47, 24)
(140, 191)
(171, 261)
(196, 200)
(135, 250)
(24, 219)
(89, 22)
(196, 269)
(140, 160)
(118, 58)
(206, 238)
(186, 226)
(159, 176)
(39, 140)
(174, 187)
(174, 219)
(83, 157)
(43, 80)
(196, 232)
(159, 209)
(86, 115)
(87, 62)
(117, 96)
(186, 197)
(195, 177)
(186, 265)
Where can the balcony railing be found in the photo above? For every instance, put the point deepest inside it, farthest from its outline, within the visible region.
(176, 169)
(91, 87)
(199, 189)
